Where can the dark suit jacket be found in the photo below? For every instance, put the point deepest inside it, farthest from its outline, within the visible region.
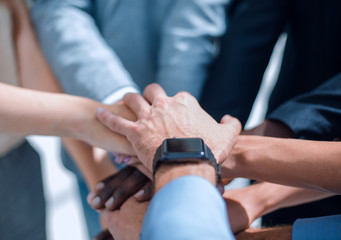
(315, 115)
(312, 53)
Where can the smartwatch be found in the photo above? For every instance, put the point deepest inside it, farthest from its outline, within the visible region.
(184, 150)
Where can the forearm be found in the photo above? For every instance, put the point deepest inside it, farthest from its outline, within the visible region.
(278, 233)
(189, 207)
(298, 163)
(94, 164)
(34, 71)
(247, 204)
(168, 173)
(27, 112)
(32, 112)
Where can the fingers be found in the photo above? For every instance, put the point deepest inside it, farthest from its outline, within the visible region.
(152, 92)
(146, 193)
(113, 122)
(105, 235)
(113, 191)
(232, 122)
(137, 104)
(125, 190)
(133, 161)
(105, 188)
(121, 158)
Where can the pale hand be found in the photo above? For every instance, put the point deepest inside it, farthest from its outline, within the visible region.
(161, 117)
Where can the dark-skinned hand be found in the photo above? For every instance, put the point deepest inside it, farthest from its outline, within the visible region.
(113, 191)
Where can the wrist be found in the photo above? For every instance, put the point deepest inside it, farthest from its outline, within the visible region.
(168, 172)
(243, 156)
(83, 123)
(229, 168)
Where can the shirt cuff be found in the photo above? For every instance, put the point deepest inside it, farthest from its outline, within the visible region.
(119, 94)
(188, 207)
(317, 228)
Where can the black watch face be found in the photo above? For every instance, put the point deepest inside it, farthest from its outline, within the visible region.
(187, 145)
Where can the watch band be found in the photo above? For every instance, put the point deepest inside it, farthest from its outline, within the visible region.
(202, 154)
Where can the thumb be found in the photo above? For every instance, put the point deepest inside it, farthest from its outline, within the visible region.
(232, 121)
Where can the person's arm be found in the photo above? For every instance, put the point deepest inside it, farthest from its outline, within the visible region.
(36, 74)
(186, 205)
(83, 62)
(161, 117)
(188, 44)
(299, 163)
(94, 163)
(28, 112)
(247, 204)
(278, 233)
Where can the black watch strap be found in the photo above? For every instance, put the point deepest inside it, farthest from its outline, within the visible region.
(203, 154)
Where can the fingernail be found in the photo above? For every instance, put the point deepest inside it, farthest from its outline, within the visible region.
(126, 159)
(99, 110)
(110, 202)
(96, 201)
(99, 186)
(139, 193)
(117, 158)
(91, 196)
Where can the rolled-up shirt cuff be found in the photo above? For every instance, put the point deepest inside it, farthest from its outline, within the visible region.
(119, 94)
(317, 228)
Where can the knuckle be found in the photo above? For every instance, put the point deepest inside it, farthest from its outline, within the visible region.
(161, 103)
(186, 98)
(183, 95)
(137, 132)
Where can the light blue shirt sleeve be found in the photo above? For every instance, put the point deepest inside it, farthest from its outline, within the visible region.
(317, 228)
(187, 208)
(81, 59)
(188, 44)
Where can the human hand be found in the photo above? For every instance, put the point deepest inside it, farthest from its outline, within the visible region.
(161, 117)
(245, 205)
(113, 191)
(94, 133)
(126, 223)
(278, 233)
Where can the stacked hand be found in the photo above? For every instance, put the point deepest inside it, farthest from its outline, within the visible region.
(158, 117)
(113, 197)
(113, 191)
(161, 117)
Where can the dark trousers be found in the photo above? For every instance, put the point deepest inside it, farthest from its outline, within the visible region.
(22, 213)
